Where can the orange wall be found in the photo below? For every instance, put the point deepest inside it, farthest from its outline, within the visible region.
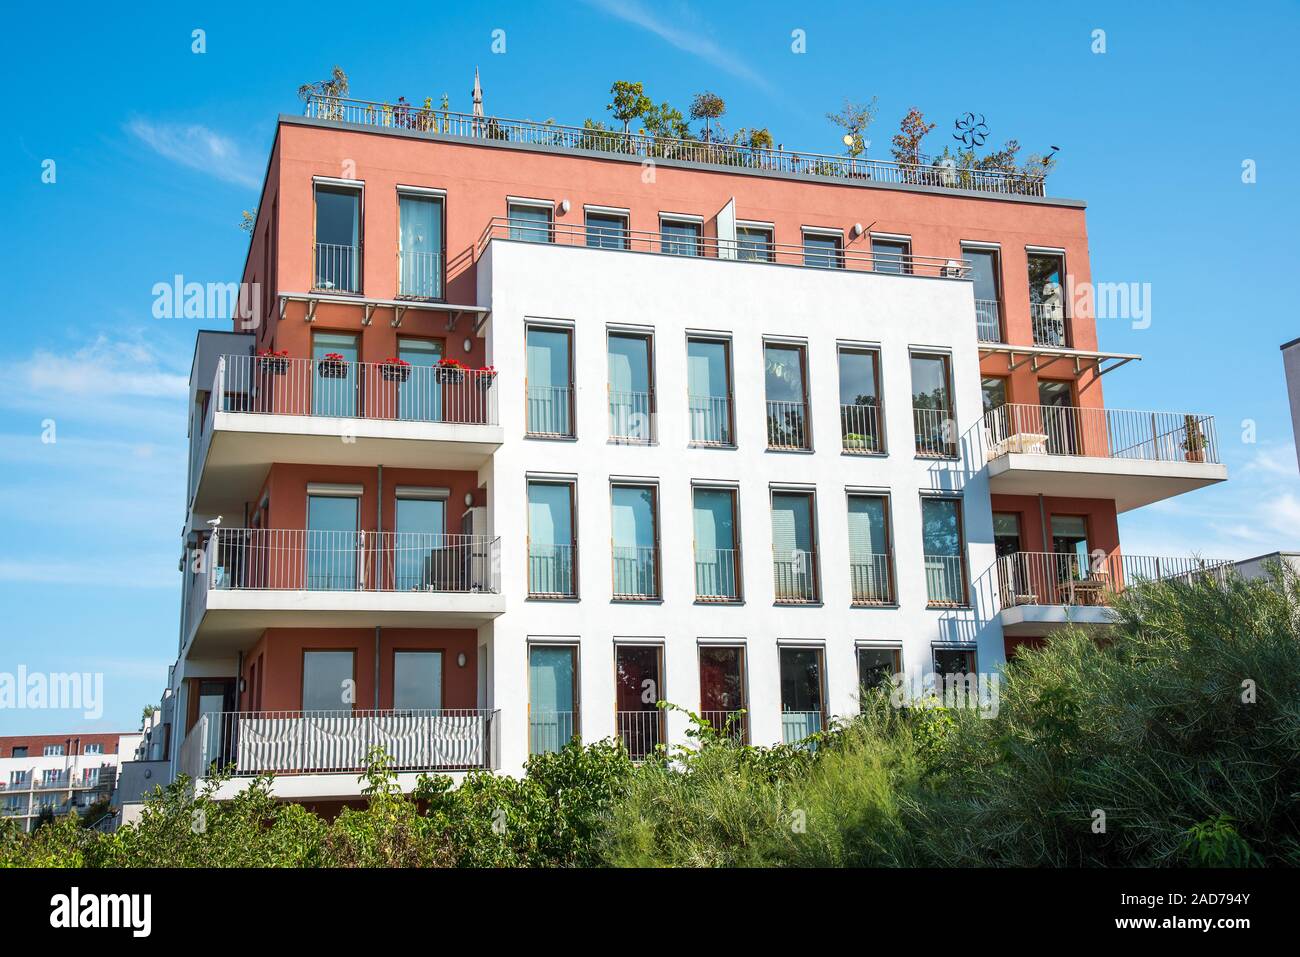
(1103, 527)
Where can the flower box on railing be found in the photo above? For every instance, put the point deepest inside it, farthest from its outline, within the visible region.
(449, 372)
(333, 366)
(275, 363)
(486, 377)
(395, 370)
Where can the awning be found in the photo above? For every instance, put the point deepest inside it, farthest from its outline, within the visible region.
(398, 306)
(1040, 357)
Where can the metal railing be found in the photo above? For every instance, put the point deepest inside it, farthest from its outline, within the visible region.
(860, 429)
(1048, 319)
(795, 575)
(729, 724)
(279, 559)
(550, 410)
(280, 385)
(324, 742)
(636, 571)
(419, 274)
(871, 578)
(1049, 578)
(1100, 433)
(338, 268)
(935, 433)
(945, 579)
(717, 574)
(710, 419)
(632, 416)
(796, 726)
(988, 320)
(549, 731)
(710, 247)
(787, 425)
(926, 171)
(641, 731)
(551, 570)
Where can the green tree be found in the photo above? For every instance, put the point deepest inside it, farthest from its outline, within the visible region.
(628, 101)
(906, 144)
(708, 107)
(854, 119)
(336, 86)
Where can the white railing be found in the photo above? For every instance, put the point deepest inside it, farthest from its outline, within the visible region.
(871, 579)
(710, 419)
(926, 171)
(935, 433)
(419, 274)
(550, 410)
(710, 247)
(338, 268)
(945, 579)
(795, 575)
(549, 731)
(988, 320)
(717, 574)
(1100, 433)
(280, 385)
(636, 571)
(787, 425)
(632, 416)
(1048, 578)
(799, 725)
(280, 559)
(324, 742)
(641, 731)
(860, 429)
(551, 570)
(729, 724)
(1048, 320)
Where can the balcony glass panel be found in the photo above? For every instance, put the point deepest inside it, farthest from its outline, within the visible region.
(420, 249)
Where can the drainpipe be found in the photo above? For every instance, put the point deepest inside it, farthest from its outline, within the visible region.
(1042, 521)
(377, 631)
(379, 533)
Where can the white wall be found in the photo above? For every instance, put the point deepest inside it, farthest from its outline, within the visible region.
(592, 288)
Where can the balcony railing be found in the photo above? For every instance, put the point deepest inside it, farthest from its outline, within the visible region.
(710, 247)
(710, 419)
(636, 571)
(279, 385)
(280, 559)
(1048, 578)
(787, 425)
(1100, 433)
(795, 576)
(641, 731)
(631, 416)
(324, 742)
(871, 579)
(551, 571)
(926, 171)
(988, 320)
(419, 274)
(729, 724)
(549, 731)
(338, 268)
(1048, 319)
(945, 580)
(717, 574)
(935, 433)
(550, 410)
(798, 725)
(860, 429)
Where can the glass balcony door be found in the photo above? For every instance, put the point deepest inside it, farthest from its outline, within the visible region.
(794, 559)
(943, 546)
(417, 680)
(708, 384)
(869, 549)
(333, 543)
(423, 556)
(552, 697)
(419, 394)
(635, 541)
(338, 239)
(638, 673)
(420, 245)
(334, 374)
(802, 709)
(550, 539)
(717, 553)
(550, 381)
(722, 689)
(631, 388)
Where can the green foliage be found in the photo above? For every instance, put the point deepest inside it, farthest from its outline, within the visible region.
(628, 101)
(854, 119)
(708, 107)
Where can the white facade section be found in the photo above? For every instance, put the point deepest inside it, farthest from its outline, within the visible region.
(594, 289)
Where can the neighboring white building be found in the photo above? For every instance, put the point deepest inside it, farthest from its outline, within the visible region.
(59, 773)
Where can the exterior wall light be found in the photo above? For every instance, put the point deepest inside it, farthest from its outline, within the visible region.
(461, 659)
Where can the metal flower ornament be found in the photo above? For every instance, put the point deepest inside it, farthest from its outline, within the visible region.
(971, 132)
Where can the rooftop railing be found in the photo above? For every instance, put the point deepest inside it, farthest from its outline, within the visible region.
(926, 172)
(1049, 578)
(1100, 433)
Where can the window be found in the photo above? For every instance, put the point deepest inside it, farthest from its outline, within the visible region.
(420, 246)
(638, 671)
(953, 662)
(327, 681)
(1006, 533)
(891, 255)
(53, 750)
(824, 250)
(717, 545)
(551, 542)
(52, 776)
(332, 553)
(754, 243)
(419, 394)
(635, 541)
(932, 412)
(877, 665)
(680, 237)
(607, 230)
(417, 680)
(794, 547)
(861, 426)
(1070, 540)
(708, 386)
(985, 272)
(552, 697)
(334, 380)
(20, 751)
(1047, 300)
(631, 387)
(944, 549)
(550, 381)
(994, 389)
(870, 551)
(425, 557)
(722, 690)
(787, 396)
(93, 749)
(530, 222)
(338, 239)
(1060, 419)
(802, 710)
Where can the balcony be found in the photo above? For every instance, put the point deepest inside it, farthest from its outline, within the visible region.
(639, 147)
(632, 417)
(988, 320)
(945, 581)
(860, 431)
(787, 426)
(641, 731)
(710, 420)
(285, 743)
(717, 574)
(934, 432)
(732, 725)
(550, 411)
(871, 579)
(268, 409)
(419, 275)
(1135, 458)
(1040, 592)
(1048, 320)
(636, 572)
(338, 268)
(794, 576)
(251, 579)
(549, 731)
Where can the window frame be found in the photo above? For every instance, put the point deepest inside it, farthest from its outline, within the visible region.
(624, 235)
(340, 185)
(894, 648)
(703, 645)
(529, 202)
(574, 647)
(824, 233)
(648, 335)
(820, 649)
(429, 193)
(572, 386)
(737, 554)
(572, 485)
(769, 249)
(682, 219)
(813, 543)
(891, 551)
(964, 601)
(902, 259)
(302, 681)
(801, 347)
(841, 347)
(723, 340)
(653, 488)
(952, 450)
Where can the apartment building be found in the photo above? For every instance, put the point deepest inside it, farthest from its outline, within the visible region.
(531, 428)
(1291, 363)
(59, 773)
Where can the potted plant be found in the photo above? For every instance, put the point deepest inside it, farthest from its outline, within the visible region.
(485, 377)
(1195, 441)
(856, 442)
(394, 369)
(276, 363)
(449, 371)
(333, 366)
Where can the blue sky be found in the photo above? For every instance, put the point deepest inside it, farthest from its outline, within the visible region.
(157, 149)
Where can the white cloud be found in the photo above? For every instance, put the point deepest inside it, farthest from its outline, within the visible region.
(200, 148)
(108, 572)
(105, 369)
